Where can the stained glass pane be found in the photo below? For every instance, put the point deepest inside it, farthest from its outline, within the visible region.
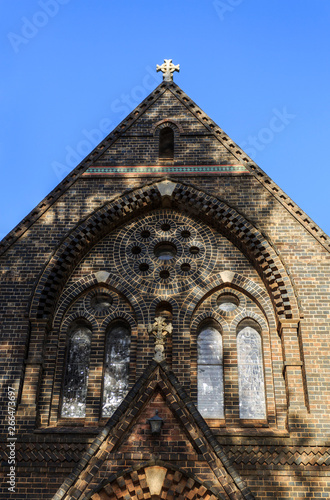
(210, 374)
(117, 358)
(252, 402)
(76, 377)
(209, 345)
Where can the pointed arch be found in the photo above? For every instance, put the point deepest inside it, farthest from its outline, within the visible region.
(223, 281)
(155, 478)
(187, 200)
(90, 281)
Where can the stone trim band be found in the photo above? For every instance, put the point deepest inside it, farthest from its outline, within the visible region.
(164, 169)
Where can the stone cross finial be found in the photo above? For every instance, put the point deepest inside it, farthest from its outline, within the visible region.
(159, 329)
(168, 69)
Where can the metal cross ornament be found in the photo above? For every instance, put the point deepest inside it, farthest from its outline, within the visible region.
(168, 69)
(159, 329)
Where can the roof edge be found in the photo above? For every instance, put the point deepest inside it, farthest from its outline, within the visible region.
(253, 167)
(74, 175)
(210, 125)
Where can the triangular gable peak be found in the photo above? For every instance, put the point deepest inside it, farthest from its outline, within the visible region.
(237, 159)
(157, 387)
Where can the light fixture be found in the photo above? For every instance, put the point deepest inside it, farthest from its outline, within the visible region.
(156, 423)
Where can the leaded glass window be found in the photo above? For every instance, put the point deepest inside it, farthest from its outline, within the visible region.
(210, 373)
(117, 356)
(76, 375)
(252, 404)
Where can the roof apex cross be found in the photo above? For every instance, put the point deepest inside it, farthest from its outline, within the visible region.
(168, 68)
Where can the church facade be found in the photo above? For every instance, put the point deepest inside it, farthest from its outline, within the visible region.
(165, 324)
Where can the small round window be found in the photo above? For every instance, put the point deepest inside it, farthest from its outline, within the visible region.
(145, 233)
(165, 251)
(101, 302)
(227, 302)
(136, 250)
(185, 234)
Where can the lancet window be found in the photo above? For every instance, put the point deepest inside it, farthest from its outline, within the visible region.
(116, 367)
(76, 374)
(210, 372)
(252, 404)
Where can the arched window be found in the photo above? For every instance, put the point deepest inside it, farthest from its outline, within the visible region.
(166, 143)
(116, 369)
(252, 404)
(76, 374)
(210, 372)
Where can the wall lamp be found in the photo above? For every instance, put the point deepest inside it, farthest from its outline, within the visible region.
(156, 423)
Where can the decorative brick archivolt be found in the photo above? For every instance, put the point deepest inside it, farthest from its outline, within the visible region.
(247, 238)
(88, 319)
(90, 285)
(207, 315)
(229, 292)
(173, 124)
(155, 478)
(187, 200)
(227, 281)
(118, 316)
(158, 300)
(246, 314)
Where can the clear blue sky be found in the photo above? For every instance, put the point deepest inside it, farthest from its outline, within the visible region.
(71, 70)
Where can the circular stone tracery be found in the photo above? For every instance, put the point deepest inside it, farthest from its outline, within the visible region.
(165, 249)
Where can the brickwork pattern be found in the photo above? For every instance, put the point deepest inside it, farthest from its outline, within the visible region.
(139, 406)
(137, 305)
(233, 225)
(177, 484)
(277, 259)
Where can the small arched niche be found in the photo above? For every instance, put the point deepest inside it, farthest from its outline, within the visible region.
(116, 366)
(251, 385)
(165, 310)
(77, 370)
(210, 399)
(166, 143)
